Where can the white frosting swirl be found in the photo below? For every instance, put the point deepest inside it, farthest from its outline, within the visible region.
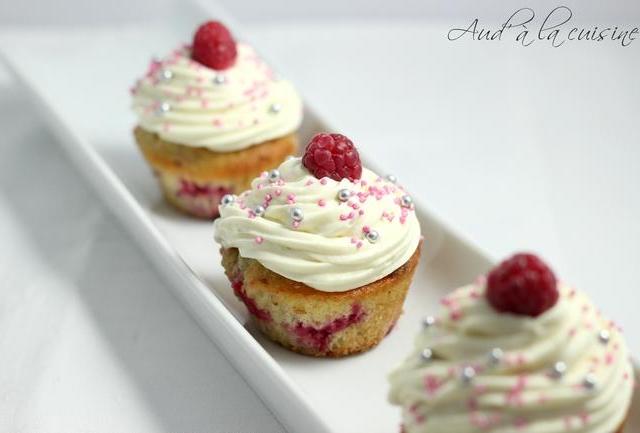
(221, 110)
(518, 393)
(328, 250)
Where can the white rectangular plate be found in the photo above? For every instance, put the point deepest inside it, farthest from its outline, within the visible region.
(80, 80)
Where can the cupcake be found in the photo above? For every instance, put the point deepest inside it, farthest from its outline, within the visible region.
(516, 351)
(320, 250)
(211, 117)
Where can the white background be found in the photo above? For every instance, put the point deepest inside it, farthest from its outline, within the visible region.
(523, 148)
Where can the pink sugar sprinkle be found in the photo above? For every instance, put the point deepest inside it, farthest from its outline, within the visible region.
(455, 315)
(259, 240)
(359, 244)
(309, 182)
(260, 186)
(268, 197)
(344, 217)
(446, 301)
(323, 181)
(291, 198)
(360, 212)
(514, 395)
(432, 384)
(354, 240)
(296, 224)
(322, 202)
(278, 192)
(366, 229)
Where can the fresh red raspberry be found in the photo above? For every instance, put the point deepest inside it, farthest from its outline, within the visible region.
(522, 284)
(334, 156)
(213, 46)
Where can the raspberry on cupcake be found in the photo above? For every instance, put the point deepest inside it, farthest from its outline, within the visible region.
(321, 250)
(211, 117)
(516, 351)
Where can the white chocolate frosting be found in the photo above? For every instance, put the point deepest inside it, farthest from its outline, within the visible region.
(329, 249)
(520, 392)
(187, 103)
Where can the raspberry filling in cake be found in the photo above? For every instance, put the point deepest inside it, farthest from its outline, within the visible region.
(516, 351)
(252, 306)
(198, 198)
(319, 338)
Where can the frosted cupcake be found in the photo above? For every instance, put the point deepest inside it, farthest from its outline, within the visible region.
(516, 352)
(321, 251)
(212, 116)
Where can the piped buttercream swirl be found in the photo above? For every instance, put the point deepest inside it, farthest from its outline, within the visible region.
(187, 103)
(478, 370)
(304, 231)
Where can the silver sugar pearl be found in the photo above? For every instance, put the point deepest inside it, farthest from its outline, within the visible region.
(426, 354)
(372, 236)
(163, 108)
(166, 74)
(604, 336)
(344, 194)
(391, 178)
(219, 79)
(259, 210)
(428, 321)
(467, 375)
(406, 201)
(227, 199)
(274, 175)
(495, 355)
(296, 214)
(589, 381)
(558, 370)
(275, 108)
